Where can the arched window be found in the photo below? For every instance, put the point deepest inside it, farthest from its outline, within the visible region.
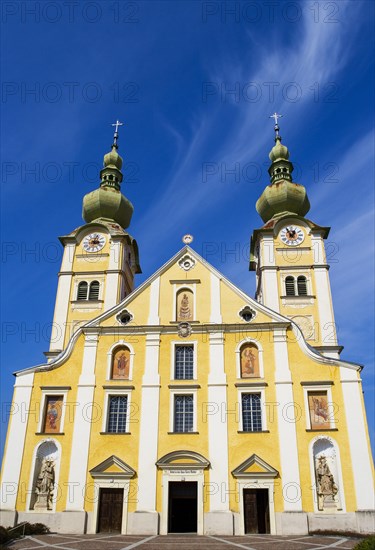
(185, 305)
(289, 286)
(94, 290)
(302, 285)
(249, 361)
(82, 291)
(120, 363)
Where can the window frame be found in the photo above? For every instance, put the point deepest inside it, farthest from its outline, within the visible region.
(259, 390)
(174, 393)
(312, 387)
(116, 392)
(295, 277)
(176, 343)
(88, 279)
(52, 391)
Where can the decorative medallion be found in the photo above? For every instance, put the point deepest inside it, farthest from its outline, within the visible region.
(184, 330)
(247, 314)
(187, 262)
(187, 239)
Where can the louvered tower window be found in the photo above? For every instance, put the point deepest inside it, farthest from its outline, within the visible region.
(82, 291)
(289, 286)
(94, 290)
(302, 285)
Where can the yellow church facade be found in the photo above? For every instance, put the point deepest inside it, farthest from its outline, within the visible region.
(185, 405)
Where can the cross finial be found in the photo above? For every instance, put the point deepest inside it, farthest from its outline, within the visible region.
(115, 136)
(276, 117)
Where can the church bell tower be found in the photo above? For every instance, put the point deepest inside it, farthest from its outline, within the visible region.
(288, 255)
(100, 258)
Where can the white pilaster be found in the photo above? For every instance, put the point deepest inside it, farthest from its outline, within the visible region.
(270, 292)
(149, 428)
(325, 308)
(112, 290)
(83, 417)
(215, 300)
(216, 413)
(62, 299)
(358, 444)
(154, 318)
(16, 440)
(290, 477)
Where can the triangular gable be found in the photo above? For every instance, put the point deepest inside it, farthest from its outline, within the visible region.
(112, 467)
(247, 300)
(254, 467)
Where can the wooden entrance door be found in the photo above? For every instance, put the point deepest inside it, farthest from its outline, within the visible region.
(256, 510)
(110, 510)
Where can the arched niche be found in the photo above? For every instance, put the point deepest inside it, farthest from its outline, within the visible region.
(249, 360)
(44, 476)
(120, 363)
(185, 305)
(327, 473)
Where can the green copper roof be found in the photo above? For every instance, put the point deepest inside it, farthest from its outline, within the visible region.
(108, 202)
(282, 196)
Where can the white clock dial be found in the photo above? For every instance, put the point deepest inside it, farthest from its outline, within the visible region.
(292, 235)
(93, 242)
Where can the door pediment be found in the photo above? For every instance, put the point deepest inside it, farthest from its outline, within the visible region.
(112, 467)
(182, 459)
(255, 467)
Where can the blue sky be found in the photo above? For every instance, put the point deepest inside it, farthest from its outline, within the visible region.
(195, 83)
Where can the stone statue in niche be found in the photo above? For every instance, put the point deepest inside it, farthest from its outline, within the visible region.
(326, 486)
(45, 484)
(184, 309)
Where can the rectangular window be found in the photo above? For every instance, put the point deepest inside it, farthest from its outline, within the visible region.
(251, 412)
(52, 414)
(184, 363)
(318, 409)
(117, 412)
(183, 413)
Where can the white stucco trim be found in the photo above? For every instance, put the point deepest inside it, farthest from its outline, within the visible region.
(215, 316)
(339, 471)
(114, 392)
(260, 356)
(257, 483)
(180, 474)
(330, 403)
(110, 352)
(83, 418)
(16, 441)
(174, 344)
(149, 426)
(324, 301)
(153, 318)
(270, 290)
(361, 463)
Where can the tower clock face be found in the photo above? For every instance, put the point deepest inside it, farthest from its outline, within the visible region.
(93, 242)
(292, 235)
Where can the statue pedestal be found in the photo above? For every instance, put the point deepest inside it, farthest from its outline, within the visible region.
(42, 502)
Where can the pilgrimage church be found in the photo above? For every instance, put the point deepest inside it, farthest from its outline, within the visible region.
(183, 405)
